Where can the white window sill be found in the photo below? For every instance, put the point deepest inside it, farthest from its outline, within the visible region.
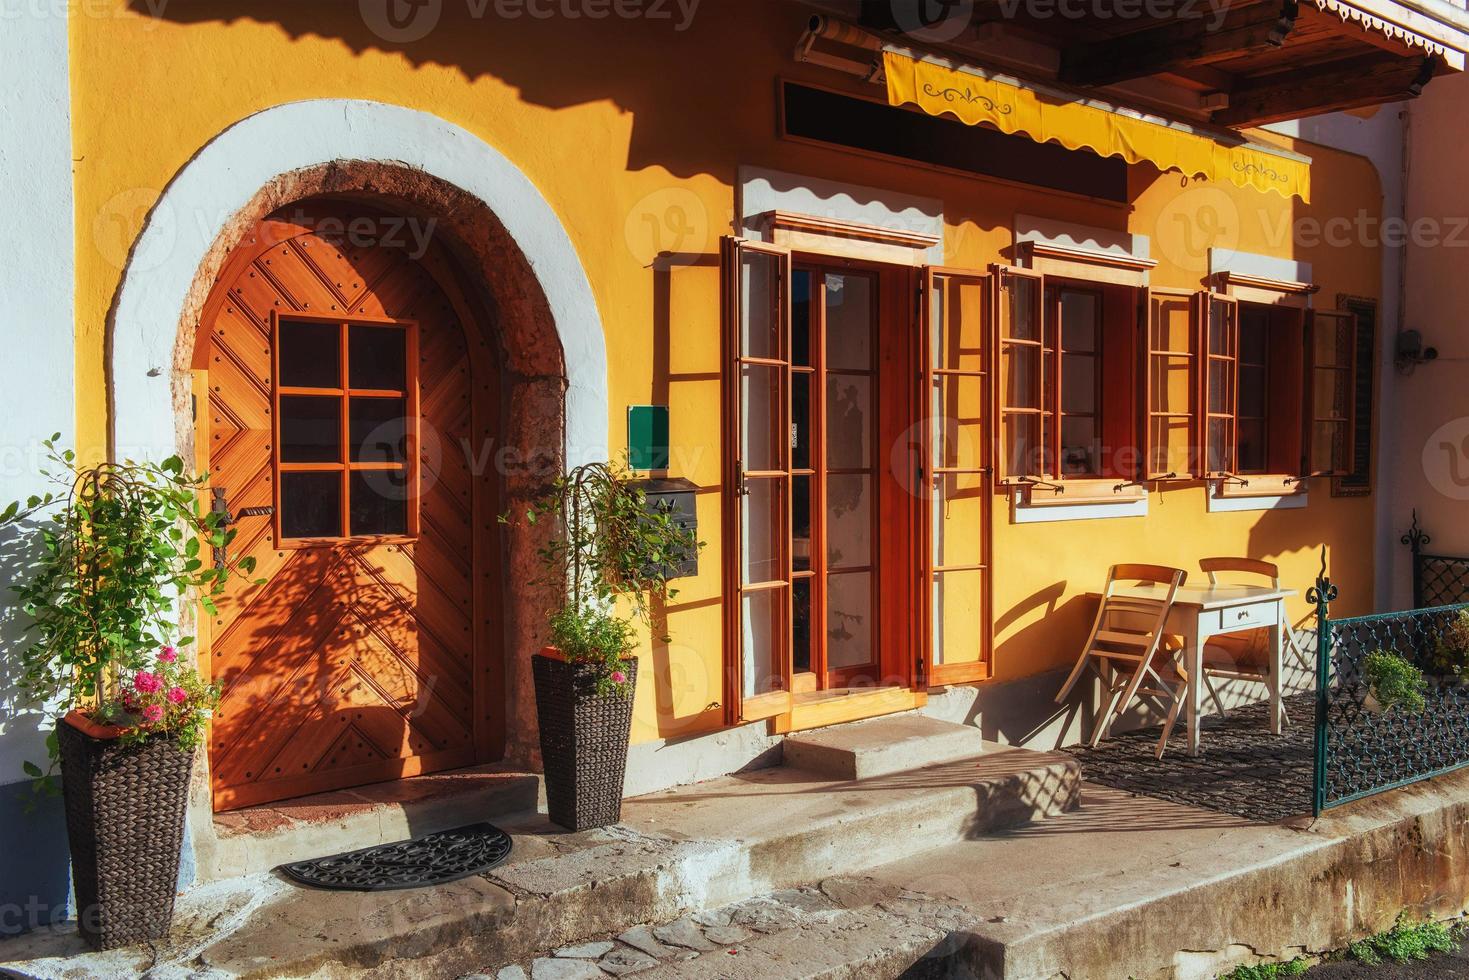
(1024, 513)
(1228, 505)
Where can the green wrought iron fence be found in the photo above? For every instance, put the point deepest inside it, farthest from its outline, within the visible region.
(1360, 752)
(1438, 580)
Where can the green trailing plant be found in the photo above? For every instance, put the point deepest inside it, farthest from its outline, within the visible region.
(1450, 657)
(119, 554)
(1268, 971)
(1394, 682)
(1407, 941)
(609, 548)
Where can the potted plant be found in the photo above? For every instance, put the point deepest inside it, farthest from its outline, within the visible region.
(1450, 657)
(1393, 682)
(609, 560)
(119, 553)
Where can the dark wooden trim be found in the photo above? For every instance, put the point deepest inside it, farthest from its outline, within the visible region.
(1349, 83)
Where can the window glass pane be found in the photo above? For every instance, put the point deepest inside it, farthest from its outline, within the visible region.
(1081, 448)
(377, 357)
(848, 421)
(311, 429)
(1171, 442)
(760, 627)
(958, 414)
(1221, 317)
(378, 502)
(1330, 393)
(1253, 323)
(957, 326)
(1220, 449)
(1221, 387)
(959, 508)
(763, 524)
(849, 308)
(958, 617)
(1170, 384)
(849, 520)
(310, 354)
(1078, 321)
(801, 523)
(1251, 446)
(1252, 397)
(849, 615)
(801, 317)
(1023, 445)
(760, 436)
(800, 421)
(1172, 325)
(1329, 447)
(1079, 391)
(760, 321)
(1019, 370)
(311, 505)
(1022, 323)
(379, 430)
(801, 626)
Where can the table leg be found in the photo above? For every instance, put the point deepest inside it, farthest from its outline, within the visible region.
(1193, 653)
(1277, 666)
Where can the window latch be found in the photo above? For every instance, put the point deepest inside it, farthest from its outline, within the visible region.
(1034, 483)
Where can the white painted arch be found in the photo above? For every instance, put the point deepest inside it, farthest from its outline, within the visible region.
(226, 174)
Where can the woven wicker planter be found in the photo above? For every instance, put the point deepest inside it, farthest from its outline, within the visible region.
(583, 741)
(125, 822)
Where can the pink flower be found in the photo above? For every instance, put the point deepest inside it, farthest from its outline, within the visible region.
(618, 677)
(152, 713)
(168, 655)
(178, 695)
(147, 683)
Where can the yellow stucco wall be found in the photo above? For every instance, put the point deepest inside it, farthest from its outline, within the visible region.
(633, 133)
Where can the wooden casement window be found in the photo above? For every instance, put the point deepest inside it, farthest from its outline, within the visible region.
(1277, 389)
(1067, 370)
(757, 526)
(345, 409)
(956, 506)
(1170, 449)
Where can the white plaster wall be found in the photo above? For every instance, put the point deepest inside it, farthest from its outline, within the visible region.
(37, 337)
(1379, 138)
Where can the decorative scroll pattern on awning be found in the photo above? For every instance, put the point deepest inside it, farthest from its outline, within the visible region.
(975, 97)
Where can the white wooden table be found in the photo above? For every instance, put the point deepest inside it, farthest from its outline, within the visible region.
(1204, 611)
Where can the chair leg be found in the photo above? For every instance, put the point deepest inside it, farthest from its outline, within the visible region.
(1214, 693)
(1076, 673)
(1104, 717)
(1178, 696)
(1137, 681)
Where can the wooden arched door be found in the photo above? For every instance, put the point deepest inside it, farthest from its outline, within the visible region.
(349, 381)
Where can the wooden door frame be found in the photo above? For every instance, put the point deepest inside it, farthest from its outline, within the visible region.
(460, 284)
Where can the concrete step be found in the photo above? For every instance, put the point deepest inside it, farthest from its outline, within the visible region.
(882, 746)
(692, 848)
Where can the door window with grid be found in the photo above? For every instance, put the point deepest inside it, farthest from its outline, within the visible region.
(346, 409)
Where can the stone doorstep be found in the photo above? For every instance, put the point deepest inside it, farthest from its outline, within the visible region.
(676, 852)
(882, 746)
(257, 839)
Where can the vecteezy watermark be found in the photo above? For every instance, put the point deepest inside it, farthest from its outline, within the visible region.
(407, 21)
(410, 234)
(38, 9)
(671, 221)
(1211, 12)
(1446, 459)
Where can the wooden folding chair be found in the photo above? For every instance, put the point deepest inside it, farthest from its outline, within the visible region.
(1244, 656)
(1126, 647)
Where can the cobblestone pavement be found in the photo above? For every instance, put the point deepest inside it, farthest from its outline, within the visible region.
(1243, 770)
(855, 925)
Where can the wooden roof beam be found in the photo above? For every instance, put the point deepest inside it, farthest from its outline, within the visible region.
(1347, 84)
(1180, 44)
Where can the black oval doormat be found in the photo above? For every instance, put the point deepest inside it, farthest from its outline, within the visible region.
(432, 859)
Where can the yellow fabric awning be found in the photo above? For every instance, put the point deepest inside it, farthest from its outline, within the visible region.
(977, 98)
